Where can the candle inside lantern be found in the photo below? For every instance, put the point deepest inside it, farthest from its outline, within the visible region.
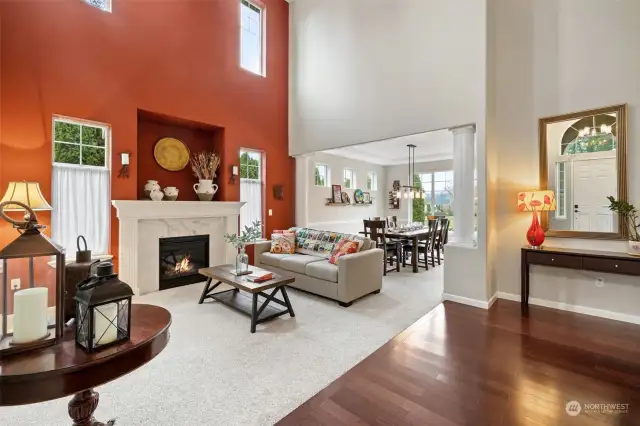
(30, 314)
(105, 323)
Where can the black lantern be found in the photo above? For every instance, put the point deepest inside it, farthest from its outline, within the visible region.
(103, 310)
(32, 286)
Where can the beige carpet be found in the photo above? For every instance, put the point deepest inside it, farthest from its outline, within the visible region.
(214, 372)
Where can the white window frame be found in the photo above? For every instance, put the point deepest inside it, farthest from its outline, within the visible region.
(327, 175)
(107, 8)
(352, 179)
(373, 178)
(260, 181)
(263, 37)
(561, 210)
(260, 165)
(77, 121)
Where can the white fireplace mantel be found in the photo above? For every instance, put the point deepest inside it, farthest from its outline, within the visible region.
(142, 223)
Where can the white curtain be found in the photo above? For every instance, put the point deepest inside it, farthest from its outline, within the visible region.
(251, 192)
(80, 200)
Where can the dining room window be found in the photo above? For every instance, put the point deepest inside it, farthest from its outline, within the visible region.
(372, 181)
(349, 180)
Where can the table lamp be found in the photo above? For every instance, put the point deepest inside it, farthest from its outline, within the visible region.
(536, 201)
(26, 193)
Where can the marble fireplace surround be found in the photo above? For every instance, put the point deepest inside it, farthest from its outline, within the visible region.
(142, 223)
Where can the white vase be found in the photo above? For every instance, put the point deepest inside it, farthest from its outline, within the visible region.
(205, 189)
(634, 248)
(171, 192)
(150, 186)
(156, 195)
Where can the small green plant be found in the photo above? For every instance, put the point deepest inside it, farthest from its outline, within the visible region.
(249, 235)
(628, 214)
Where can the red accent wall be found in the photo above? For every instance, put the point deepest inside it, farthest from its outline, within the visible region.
(176, 58)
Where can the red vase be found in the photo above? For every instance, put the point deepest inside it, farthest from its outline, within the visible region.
(535, 234)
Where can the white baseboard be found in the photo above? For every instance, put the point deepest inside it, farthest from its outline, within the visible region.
(467, 301)
(633, 319)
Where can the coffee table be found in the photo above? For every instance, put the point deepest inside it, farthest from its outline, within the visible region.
(247, 304)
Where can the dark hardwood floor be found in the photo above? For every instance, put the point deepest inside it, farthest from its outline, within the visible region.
(460, 365)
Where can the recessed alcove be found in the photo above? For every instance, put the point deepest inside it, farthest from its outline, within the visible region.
(196, 136)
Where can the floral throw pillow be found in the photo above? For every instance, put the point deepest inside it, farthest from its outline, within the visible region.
(284, 243)
(343, 248)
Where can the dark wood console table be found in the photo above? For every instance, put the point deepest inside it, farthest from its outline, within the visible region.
(589, 260)
(66, 369)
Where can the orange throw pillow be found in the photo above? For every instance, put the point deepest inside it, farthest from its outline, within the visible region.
(284, 243)
(343, 248)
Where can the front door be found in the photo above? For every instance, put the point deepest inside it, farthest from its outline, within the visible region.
(593, 181)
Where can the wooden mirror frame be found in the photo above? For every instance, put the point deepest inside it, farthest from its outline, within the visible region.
(621, 157)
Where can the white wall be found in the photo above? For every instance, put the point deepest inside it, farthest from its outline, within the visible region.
(339, 218)
(401, 173)
(367, 70)
(547, 64)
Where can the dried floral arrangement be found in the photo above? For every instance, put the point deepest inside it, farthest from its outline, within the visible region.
(205, 165)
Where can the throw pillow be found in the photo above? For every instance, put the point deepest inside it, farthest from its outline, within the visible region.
(284, 243)
(343, 248)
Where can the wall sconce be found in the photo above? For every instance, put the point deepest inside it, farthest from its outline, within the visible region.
(125, 158)
(234, 173)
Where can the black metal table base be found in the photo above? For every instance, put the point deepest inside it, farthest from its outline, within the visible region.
(247, 303)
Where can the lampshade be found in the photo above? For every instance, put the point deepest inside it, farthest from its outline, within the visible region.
(27, 193)
(536, 201)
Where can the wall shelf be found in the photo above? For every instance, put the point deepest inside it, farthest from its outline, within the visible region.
(337, 204)
(362, 204)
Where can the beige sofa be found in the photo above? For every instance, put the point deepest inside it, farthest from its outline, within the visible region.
(355, 276)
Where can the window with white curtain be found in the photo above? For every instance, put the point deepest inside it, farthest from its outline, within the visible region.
(251, 37)
(80, 184)
(251, 163)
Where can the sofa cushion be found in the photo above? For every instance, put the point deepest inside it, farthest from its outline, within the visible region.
(321, 243)
(323, 271)
(298, 262)
(272, 259)
(343, 248)
(283, 243)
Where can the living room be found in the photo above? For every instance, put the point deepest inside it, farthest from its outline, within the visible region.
(137, 124)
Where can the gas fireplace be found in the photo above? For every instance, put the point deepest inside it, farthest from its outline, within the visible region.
(180, 259)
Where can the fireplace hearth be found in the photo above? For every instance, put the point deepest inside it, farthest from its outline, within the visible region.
(180, 259)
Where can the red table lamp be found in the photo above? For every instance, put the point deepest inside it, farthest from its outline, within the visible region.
(536, 201)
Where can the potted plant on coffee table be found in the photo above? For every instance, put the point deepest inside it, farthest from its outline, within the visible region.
(628, 215)
(249, 235)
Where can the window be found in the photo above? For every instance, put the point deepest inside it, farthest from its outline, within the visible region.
(372, 181)
(438, 187)
(561, 209)
(251, 188)
(349, 179)
(100, 4)
(322, 175)
(80, 184)
(251, 37)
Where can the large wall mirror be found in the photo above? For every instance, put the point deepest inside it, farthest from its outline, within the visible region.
(583, 160)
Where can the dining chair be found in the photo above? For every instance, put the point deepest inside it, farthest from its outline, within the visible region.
(426, 246)
(441, 240)
(376, 229)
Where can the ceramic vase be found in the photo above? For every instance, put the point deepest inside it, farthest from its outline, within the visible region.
(171, 192)
(205, 189)
(150, 186)
(535, 234)
(156, 195)
(634, 248)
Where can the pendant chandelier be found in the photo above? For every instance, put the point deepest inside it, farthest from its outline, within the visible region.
(410, 190)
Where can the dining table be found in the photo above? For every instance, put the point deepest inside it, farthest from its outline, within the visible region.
(414, 235)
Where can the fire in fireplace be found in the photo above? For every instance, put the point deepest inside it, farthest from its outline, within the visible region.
(180, 259)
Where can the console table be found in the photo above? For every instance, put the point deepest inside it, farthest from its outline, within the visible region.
(590, 260)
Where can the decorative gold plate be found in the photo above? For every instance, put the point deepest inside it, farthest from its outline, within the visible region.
(171, 154)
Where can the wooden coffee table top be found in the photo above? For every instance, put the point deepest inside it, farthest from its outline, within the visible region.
(223, 274)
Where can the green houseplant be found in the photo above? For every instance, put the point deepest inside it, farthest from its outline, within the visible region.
(628, 215)
(248, 235)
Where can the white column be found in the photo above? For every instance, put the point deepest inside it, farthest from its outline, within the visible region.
(463, 192)
(304, 171)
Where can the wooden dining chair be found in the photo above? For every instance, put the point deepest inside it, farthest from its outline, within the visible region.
(441, 240)
(376, 229)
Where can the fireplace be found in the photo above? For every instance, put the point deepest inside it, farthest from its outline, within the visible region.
(180, 259)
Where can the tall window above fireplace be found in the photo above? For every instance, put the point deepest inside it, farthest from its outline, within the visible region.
(180, 259)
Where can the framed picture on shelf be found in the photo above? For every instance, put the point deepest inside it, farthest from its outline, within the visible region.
(366, 197)
(345, 198)
(337, 193)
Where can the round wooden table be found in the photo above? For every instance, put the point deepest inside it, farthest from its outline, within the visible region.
(66, 369)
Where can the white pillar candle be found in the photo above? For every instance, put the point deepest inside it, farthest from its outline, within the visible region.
(30, 314)
(105, 331)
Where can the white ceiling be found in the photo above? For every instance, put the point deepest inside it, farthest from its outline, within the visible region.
(431, 146)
